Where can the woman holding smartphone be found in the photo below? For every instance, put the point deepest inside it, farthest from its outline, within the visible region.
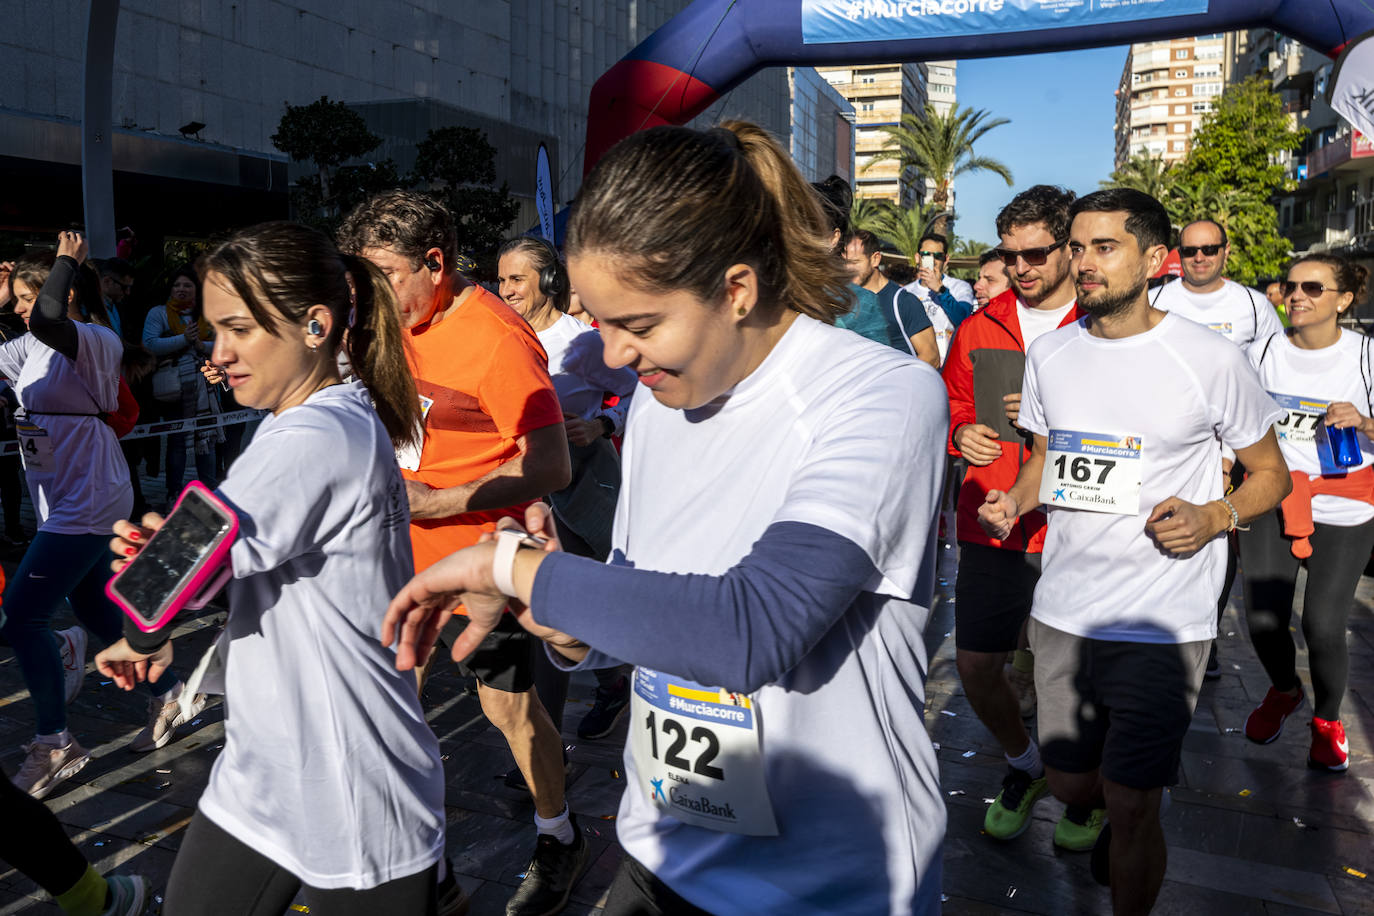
(1323, 376)
(66, 375)
(771, 570)
(330, 777)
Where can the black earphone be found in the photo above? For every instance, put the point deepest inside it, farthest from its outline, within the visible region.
(553, 278)
(432, 263)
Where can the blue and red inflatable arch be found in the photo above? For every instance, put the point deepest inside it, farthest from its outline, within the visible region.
(713, 45)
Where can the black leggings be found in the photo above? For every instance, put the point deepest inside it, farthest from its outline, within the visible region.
(215, 873)
(1269, 572)
(34, 842)
(637, 892)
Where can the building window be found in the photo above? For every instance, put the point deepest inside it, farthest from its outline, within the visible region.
(1181, 54)
(869, 79)
(1201, 107)
(1180, 74)
(1178, 92)
(1177, 146)
(867, 106)
(1180, 109)
(1181, 127)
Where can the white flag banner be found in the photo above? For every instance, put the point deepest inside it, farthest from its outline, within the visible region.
(1350, 91)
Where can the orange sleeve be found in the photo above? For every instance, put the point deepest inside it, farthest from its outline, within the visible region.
(516, 391)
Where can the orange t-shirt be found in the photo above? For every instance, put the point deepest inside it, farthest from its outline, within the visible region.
(483, 380)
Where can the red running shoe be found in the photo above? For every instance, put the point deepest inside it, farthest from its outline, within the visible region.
(1330, 750)
(1266, 722)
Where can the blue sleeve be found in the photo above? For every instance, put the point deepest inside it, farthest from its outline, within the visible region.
(911, 313)
(739, 630)
(955, 309)
(158, 336)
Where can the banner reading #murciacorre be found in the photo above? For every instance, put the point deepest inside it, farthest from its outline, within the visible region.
(834, 21)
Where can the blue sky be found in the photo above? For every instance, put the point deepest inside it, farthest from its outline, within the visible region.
(1061, 108)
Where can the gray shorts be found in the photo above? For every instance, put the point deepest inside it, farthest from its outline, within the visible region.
(1123, 707)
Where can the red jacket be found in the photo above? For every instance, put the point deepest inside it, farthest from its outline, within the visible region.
(995, 327)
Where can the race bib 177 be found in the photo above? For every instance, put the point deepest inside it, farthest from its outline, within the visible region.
(698, 756)
(1099, 472)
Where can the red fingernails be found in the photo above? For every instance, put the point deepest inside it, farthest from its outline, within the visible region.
(135, 536)
(130, 551)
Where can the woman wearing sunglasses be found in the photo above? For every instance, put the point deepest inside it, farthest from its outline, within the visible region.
(1322, 376)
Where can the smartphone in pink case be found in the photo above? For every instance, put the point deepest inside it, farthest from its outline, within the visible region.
(184, 563)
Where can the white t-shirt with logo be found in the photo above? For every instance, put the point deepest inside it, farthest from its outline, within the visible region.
(810, 436)
(329, 768)
(1236, 312)
(1038, 322)
(1173, 391)
(1304, 382)
(78, 478)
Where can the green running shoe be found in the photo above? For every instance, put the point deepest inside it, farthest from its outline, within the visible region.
(1009, 815)
(1077, 830)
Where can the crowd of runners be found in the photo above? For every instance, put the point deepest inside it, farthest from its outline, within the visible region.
(702, 450)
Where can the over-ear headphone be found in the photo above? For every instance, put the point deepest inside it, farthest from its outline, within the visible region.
(314, 327)
(553, 278)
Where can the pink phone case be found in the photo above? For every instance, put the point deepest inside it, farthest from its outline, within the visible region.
(206, 582)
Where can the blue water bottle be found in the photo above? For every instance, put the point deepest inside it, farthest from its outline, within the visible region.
(1345, 447)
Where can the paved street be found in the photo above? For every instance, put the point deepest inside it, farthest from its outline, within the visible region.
(1251, 831)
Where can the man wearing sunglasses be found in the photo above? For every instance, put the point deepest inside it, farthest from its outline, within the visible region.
(1236, 312)
(947, 300)
(997, 575)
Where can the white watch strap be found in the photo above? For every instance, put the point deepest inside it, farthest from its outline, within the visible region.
(503, 563)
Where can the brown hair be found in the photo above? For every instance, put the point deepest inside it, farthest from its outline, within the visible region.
(1350, 277)
(408, 222)
(293, 267)
(676, 207)
(35, 270)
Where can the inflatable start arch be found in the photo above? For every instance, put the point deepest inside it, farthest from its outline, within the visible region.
(713, 45)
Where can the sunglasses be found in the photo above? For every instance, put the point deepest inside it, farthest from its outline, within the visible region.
(937, 255)
(1310, 288)
(1034, 257)
(1189, 251)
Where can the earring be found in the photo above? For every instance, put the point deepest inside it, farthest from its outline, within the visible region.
(742, 311)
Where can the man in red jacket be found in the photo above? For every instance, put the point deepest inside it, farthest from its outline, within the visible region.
(996, 578)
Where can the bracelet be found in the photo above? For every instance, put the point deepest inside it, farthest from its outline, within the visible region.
(503, 561)
(1235, 516)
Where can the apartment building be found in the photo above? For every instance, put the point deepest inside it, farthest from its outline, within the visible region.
(880, 95)
(1166, 88)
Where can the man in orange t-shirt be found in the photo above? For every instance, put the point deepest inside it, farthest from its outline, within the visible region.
(493, 443)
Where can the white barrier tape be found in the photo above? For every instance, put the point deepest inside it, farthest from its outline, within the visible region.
(170, 427)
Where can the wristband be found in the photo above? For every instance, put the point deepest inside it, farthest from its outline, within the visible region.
(503, 562)
(1235, 516)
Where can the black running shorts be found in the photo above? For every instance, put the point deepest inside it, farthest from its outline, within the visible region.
(992, 596)
(504, 660)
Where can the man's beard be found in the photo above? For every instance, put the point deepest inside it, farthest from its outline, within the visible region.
(1108, 304)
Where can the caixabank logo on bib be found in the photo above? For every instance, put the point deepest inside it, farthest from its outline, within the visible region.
(684, 798)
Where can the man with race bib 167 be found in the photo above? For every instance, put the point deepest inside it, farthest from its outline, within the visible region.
(1127, 406)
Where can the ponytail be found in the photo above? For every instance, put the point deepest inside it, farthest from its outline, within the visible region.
(676, 207)
(293, 267)
(377, 351)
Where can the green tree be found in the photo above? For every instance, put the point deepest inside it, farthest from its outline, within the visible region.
(941, 148)
(869, 213)
(1143, 172)
(903, 227)
(325, 134)
(458, 164)
(1232, 172)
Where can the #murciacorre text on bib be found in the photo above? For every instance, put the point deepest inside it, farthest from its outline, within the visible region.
(1099, 472)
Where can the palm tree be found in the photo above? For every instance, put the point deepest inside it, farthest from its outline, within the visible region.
(903, 227)
(1143, 172)
(869, 213)
(940, 148)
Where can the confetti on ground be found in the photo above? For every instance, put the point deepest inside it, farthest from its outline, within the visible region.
(957, 792)
(946, 712)
(1231, 633)
(1244, 793)
(1297, 822)
(1231, 731)
(299, 908)
(1011, 891)
(988, 801)
(608, 817)
(443, 756)
(935, 744)
(1237, 667)
(615, 774)
(165, 772)
(99, 843)
(944, 898)
(968, 754)
(1354, 872)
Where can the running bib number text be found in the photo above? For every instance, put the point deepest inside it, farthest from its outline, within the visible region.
(1099, 472)
(36, 446)
(1304, 427)
(697, 754)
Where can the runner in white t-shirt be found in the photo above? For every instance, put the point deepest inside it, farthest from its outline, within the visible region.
(1236, 312)
(66, 376)
(773, 568)
(330, 777)
(1127, 406)
(1323, 378)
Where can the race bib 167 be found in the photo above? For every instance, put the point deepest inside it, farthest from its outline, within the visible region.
(1099, 472)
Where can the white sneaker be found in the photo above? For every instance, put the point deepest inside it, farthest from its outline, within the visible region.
(48, 763)
(72, 643)
(164, 715)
